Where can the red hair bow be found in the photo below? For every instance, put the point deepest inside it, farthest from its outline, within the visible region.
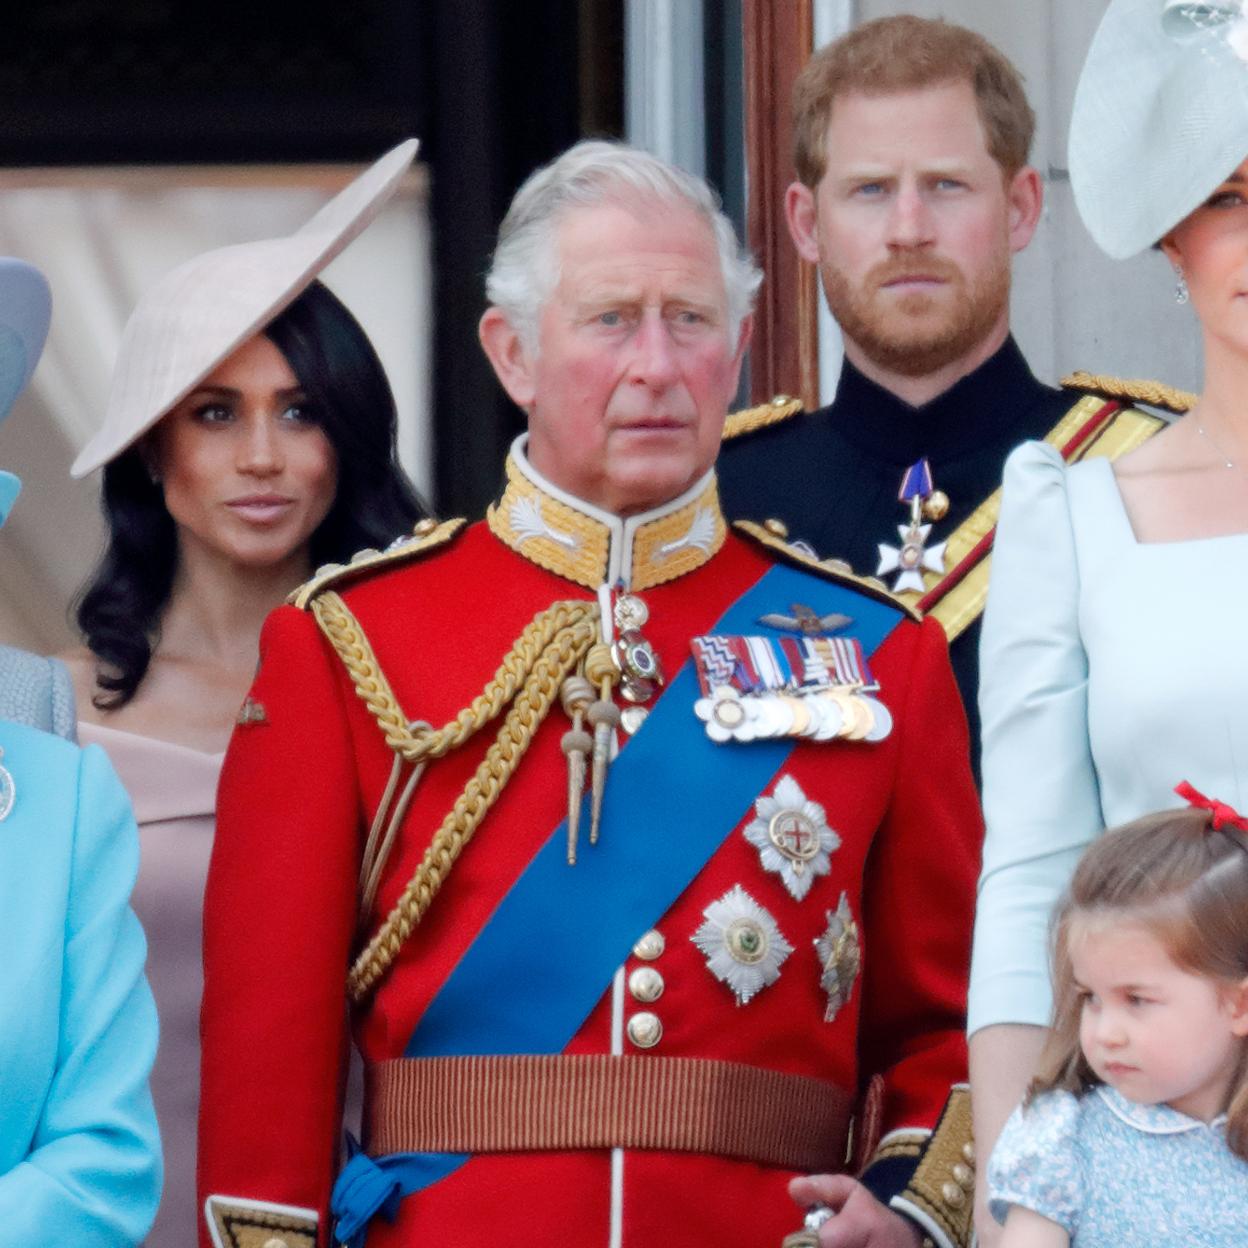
(1221, 812)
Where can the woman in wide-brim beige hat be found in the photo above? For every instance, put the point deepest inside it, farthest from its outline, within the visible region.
(248, 438)
(1112, 660)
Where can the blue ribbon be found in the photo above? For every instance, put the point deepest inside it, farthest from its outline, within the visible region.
(672, 797)
(917, 482)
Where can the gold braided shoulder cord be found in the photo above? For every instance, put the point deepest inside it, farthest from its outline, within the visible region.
(1154, 393)
(551, 646)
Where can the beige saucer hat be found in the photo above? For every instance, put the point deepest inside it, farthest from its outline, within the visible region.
(1160, 116)
(204, 310)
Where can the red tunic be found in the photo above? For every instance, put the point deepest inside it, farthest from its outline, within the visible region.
(299, 790)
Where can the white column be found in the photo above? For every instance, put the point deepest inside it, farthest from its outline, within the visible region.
(832, 19)
(665, 109)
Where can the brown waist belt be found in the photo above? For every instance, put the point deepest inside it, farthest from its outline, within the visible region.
(591, 1101)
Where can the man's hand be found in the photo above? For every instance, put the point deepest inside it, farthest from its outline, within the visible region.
(861, 1221)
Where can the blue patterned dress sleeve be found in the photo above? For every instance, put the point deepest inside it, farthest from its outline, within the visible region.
(1036, 1162)
(1041, 801)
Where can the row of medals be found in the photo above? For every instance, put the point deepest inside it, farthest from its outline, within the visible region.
(825, 714)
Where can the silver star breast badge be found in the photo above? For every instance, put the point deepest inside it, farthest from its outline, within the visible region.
(840, 957)
(742, 944)
(792, 836)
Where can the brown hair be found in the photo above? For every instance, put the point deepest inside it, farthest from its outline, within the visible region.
(902, 54)
(1188, 885)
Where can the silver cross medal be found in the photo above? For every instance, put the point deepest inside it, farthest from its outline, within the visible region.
(914, 556)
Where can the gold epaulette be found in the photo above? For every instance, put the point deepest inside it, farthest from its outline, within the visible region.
(941, 1193)
(751, 418)
(1094, 427)
(427, 536)
(774, 536)
(1153, 393)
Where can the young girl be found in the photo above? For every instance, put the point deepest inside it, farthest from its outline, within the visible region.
(1135, 1131)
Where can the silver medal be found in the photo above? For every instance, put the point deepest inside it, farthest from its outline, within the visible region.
(8, 791)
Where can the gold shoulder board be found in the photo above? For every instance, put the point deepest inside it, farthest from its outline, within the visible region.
(774, 537)
(1153, 393)
(751, 418)
(427, 536)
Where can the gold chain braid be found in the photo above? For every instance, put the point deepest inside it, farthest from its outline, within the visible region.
(348, 639)
(567, 648)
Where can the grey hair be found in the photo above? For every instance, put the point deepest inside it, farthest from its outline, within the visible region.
(525, 268)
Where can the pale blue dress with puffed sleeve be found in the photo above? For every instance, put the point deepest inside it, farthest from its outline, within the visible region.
(1115, 1174)
(1110, 670)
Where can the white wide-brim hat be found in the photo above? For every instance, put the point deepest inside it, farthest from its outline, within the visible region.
(195, 317)
(25, 313)
(1160, 117)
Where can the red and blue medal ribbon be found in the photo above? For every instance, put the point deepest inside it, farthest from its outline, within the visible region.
(550, 950)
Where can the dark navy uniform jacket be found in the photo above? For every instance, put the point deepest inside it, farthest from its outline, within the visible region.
(832, 476)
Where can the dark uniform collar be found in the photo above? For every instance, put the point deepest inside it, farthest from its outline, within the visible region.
(959, 421)
(592, 547)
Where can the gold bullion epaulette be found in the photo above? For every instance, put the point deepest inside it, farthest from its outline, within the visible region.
(1152, 393)
(773, 535)
(941, 1193)
(427, 536)
(1096, 426)
(782, 407)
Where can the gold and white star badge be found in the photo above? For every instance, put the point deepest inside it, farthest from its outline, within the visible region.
(912, 558)
(792, 836)
(840, 957)
(742, 944)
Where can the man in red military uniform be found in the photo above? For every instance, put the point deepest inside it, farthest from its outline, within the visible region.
(641, 849)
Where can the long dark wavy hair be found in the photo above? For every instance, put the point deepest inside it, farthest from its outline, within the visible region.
(119, 609)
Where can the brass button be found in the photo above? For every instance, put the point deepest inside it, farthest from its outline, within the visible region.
(650, 946)
(781, 400)
(964, 1176)
(646, 984)
(645, 1030)
(424, 527)
(968, 1152)
(954, 1196)
(777, 528)
(936, 505)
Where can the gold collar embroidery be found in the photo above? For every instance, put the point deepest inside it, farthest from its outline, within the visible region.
(592, 547)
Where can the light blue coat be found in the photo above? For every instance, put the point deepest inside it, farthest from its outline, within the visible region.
(79, 1151)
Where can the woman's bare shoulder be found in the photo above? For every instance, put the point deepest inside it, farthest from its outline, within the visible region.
(1173, 450)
